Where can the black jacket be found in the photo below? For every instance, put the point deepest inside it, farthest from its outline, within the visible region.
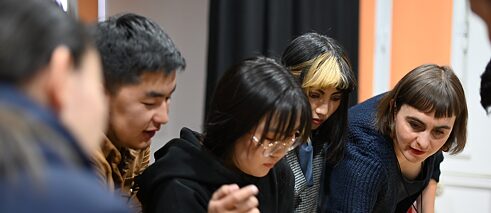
(184, 177)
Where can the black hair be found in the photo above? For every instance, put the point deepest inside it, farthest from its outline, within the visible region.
(312, 55)
(29, 33)
(131, 45)
(485, 90)
(255, 89)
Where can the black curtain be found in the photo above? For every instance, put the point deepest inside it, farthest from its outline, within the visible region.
(240, 29)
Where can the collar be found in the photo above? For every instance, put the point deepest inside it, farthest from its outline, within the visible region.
(118, 155)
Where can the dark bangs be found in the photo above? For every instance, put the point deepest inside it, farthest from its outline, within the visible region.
(291, 113)
(432, 92)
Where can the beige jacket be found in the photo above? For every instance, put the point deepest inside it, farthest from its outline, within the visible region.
(118, 167)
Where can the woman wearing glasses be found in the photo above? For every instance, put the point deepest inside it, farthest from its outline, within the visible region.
(321, 66)
(257, 115)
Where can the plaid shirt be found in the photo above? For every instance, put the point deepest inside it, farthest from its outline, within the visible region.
(117, 168)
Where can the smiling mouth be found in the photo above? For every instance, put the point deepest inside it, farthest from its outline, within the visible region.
(149, 134)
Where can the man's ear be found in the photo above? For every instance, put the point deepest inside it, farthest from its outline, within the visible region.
(59, 70)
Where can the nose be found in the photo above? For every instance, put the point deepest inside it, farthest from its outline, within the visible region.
(278, 152)
(423, 140)
(322, 109)
(161, 115)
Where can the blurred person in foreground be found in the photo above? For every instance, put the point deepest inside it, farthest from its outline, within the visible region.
(52, 110)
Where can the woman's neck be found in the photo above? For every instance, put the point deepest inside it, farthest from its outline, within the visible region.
(408, 169)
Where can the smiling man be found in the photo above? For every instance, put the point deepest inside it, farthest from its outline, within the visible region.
(140, 63)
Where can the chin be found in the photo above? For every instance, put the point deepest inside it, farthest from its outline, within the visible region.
(414, 159)
(258, 174)
(141, 145)
(262, 174)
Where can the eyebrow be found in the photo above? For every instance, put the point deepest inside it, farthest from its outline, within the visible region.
(320, 91)
(419, 121)
(154, 94)
(442, 127)
(337, 93)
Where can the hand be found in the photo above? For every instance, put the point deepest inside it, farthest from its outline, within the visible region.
(232, 199)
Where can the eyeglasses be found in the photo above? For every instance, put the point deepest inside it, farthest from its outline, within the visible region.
(271, 147)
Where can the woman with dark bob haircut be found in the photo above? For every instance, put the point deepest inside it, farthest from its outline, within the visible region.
(322, 68)
(395, 140)
(257, 115)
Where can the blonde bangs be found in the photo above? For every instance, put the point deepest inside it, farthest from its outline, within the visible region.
(325, 72)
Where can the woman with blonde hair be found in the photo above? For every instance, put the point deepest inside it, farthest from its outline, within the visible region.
(322, 68)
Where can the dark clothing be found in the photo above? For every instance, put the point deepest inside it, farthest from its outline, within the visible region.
(61, 185)
(369, 179)
(185, 176)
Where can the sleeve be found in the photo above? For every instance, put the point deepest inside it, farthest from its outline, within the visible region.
(77, 191)
(354, 184)
(436, 167)
(286, 187)
(177, 197)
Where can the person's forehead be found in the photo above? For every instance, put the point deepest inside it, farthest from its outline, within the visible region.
(409, 111)
(274, 123)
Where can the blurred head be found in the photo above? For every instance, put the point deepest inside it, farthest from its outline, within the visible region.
(425, 112)
(483, 9)
(50, 57)
(485, 90)
(140, 62)
(321, 66)
(257, 113)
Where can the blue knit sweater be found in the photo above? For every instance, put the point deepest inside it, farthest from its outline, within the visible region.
(368, 179)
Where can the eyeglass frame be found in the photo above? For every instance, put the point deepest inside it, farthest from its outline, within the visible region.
(274, 147)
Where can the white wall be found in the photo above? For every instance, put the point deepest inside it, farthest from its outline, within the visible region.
(465, 184)
(186, 22)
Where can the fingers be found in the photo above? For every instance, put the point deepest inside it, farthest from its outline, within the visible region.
(223, 191)
(240, 196)
(229, 198)
(248, 205)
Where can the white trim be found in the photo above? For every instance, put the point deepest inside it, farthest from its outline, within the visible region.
(466, 180)
(460, 38)
(383, 39)
(64, 4)
(101, 10)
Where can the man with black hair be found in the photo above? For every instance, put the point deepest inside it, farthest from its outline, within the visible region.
(140, 62)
